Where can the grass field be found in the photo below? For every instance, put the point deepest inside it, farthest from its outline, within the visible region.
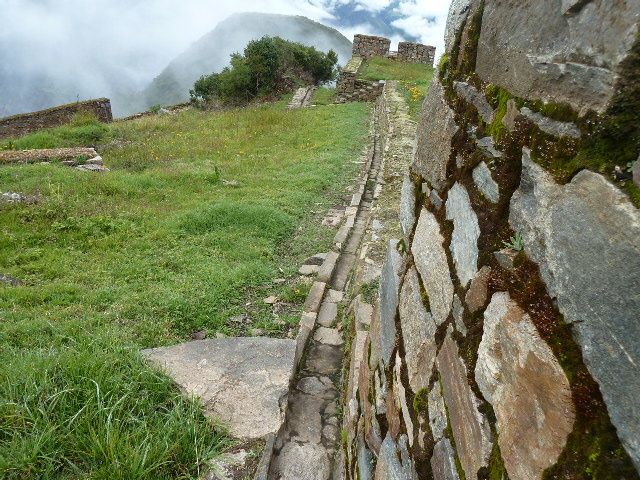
(198, 215)
(414, 78)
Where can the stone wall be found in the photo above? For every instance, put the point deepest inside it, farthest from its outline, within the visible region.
(351, 89)
(362, 91)
(366, 46)
(504, 340)
(25, 123)
(416, 53)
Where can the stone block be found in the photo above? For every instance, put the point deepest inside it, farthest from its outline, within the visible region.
(437, 412)
(389, 290)
(585, 236)
(407, 207)
(466, 231)
(488, 147)
(514, 359)
(476, 296)
(327, 314)
(470, 428)
(443, 461)
(241, 381)
(458, 13)
(550, 126)
(485, 182)
(512, 114)
(394, 462)
(365, 460)
(327, 267)
(314, 298)
(458, 315)
(328, 336)
(306, 461)
(307, 323)
(418, 332)
(477, 99)
(518, 48)
(435, 131)
(431, 261)
(401, 398)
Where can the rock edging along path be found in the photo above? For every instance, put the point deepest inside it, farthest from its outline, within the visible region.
(308, 440)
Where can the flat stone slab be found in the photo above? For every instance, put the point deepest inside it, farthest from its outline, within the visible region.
(470, 428)
(241, 381)
(527, 447)
(585, 236)
(466, 232)
(328, 336)
(437, 127)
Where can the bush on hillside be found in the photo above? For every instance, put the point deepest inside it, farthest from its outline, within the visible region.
(267, 67)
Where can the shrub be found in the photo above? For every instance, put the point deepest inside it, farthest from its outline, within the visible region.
(268, 66)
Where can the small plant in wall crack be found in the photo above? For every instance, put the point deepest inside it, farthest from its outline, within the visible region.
(516, 242)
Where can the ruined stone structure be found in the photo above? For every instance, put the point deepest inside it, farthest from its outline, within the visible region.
(416, 53)
(349, 88)
(25, 123)
(366, 46)
(504, 340)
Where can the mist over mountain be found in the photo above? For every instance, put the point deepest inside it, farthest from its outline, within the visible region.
(54, 52)
(211, 52)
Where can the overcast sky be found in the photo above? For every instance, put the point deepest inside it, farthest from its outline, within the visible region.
(142, 36)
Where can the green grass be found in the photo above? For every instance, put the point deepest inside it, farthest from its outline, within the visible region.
(380, 68)
(323, 96)
(414, 79)
(145, 255)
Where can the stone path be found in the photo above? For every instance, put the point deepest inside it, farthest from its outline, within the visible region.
(302, 97)
(305, 447)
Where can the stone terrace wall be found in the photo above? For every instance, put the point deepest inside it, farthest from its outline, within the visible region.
(350, 89)
(416, 53)
(366, 46)
(504, 341)
(25, 123)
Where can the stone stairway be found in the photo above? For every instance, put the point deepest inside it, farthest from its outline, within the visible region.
(306, 445)
(302, 98)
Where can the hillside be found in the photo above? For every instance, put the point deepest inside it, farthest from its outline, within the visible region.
(211, 53)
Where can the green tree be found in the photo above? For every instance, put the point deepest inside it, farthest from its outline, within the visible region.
(268, 66)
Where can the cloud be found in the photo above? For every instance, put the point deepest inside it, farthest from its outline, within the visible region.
(109, 44)
(424, 19)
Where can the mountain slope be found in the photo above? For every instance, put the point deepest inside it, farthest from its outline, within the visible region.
(211, 53)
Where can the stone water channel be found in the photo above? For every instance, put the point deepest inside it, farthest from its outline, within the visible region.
(306, 445)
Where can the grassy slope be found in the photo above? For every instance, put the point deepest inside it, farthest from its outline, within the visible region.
(143, 256)
(414, 78)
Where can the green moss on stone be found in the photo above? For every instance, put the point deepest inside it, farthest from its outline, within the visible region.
(421, 402)
(498, 97)
(469, 52)
(496, 469)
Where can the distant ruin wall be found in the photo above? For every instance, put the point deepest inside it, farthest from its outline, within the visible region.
(366, 46)
(504, 339)
(416, 53)
(22, 124)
